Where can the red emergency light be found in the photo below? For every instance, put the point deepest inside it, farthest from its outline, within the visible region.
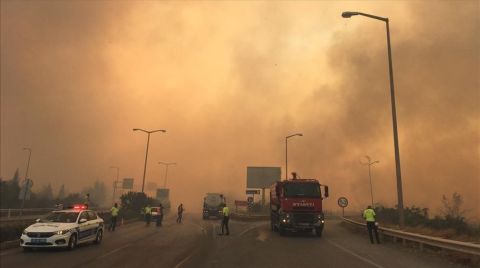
(80, 207)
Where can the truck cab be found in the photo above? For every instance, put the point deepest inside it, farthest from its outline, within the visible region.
(296, 205)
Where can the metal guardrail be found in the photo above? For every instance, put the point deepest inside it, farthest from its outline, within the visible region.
(464, 247)
(14, 212)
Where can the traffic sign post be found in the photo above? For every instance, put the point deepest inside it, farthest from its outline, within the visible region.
(343, 203)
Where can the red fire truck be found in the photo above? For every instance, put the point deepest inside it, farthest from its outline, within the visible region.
(296, 205)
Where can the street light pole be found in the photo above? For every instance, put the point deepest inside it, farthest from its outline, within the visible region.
(115, 183)
(146, 152)
(348, 14)
(166, 172)
(286, 152)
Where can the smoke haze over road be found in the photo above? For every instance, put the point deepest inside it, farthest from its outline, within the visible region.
(229, 80)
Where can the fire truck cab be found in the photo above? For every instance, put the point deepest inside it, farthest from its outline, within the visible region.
(296, 205)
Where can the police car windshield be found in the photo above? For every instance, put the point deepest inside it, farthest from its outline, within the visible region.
(61, 217)
(310, 190)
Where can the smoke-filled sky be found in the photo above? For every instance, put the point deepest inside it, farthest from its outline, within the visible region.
(229, 80)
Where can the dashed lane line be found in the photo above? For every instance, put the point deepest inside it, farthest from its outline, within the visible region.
(355, 255)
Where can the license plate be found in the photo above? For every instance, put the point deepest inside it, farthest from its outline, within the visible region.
(39, 240)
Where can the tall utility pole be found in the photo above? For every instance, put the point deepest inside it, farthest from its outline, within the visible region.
(286, 152)
(166, 172)
(146, 152)
(27, 179)
(115, 183)
(370, 163)
(401, 215)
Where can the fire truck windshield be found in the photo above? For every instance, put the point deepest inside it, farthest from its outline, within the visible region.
(310, 190)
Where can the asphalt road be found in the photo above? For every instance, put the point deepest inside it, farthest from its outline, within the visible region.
(196, 243)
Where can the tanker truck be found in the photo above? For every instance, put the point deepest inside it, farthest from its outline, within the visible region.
(213, 204)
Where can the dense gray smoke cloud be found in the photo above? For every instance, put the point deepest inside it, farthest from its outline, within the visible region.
(436, 65)
(229, 80)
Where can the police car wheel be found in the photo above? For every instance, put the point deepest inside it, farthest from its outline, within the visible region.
(99, 237)
(72, 242)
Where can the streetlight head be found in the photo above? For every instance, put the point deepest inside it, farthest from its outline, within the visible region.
(300, 134)
(135, 129)
(348, 14)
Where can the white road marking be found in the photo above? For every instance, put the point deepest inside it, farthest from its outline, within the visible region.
(263, 235)
(113, 251)
(184, 260)
(354, 254)
(251, 228)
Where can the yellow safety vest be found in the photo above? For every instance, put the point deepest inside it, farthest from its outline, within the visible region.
(114, 211)
(226, 211)
(369, 214)
(148, 210)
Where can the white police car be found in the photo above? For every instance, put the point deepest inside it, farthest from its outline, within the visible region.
(64, 228)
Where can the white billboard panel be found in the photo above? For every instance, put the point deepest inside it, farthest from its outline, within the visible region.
(262, 177)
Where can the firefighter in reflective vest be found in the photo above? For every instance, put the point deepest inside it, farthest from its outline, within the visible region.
(226, 217)
(369, 216)
(148, 214)
(113, 219)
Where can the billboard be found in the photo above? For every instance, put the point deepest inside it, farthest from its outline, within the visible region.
(127, 183)
(262, 177)
(162, 193)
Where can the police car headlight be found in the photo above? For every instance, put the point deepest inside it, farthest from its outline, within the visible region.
(62, 232)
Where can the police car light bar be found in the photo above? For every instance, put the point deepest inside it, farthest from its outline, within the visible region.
(79, 207)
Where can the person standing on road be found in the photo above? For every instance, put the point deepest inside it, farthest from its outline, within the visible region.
(160, 215)
(369, 216)
(226, 217)
(113, 218)
(180, 213)
(148, 214)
